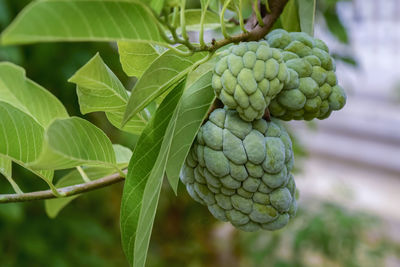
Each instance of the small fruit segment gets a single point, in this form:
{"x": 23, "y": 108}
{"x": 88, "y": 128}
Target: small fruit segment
{"x": 248, "y": 76}
{"x": 312, "y": 90}
{"x": 242, "y": 171}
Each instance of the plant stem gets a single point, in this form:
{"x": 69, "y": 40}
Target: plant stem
{"x": 203, "y": 15}
{"x": 255, "y": 34}
{"x": 175, "y": 17}
{"x": 257, "y": 12}
{"x": 222, "y": 19}
{"x": 183, "y": 20}
{"x": 14, "y": 185}
{"x": 64, "y": 191}
{"x": 83, "y": 174}
{"x": 240, "y": 15}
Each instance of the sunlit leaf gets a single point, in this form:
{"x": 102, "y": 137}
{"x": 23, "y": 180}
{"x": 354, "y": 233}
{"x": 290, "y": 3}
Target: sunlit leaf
{"x": 29, "y": 97}
{"x": 72, "y": 142}
{"x": 21, "y": 137}
{"x": 83, "y": 20}
{"x": 185, "y": 123}
{"x": 166, "y": 70}
{"x": 143, "y": 183}
{"x": 136, "y": 57}
{"x": 99, "y": 89}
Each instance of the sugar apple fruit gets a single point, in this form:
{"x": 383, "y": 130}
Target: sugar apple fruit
{"x": 241, "y": 171}
{"x": 312, "y": 90}
{"x": 248, "y": 76}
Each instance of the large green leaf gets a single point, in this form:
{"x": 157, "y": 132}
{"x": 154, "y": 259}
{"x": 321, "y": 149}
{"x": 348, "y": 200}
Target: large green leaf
{"x": 143, "y": 183}
{"x": 307, "y": 15}
{"x": 185, "y": 123}
{"x": 21, "y": 138}
{"x": 29, "y": 97}
{"x": 73, "y": 142}
{"x": 290, "y": 17}
{"x": 54, "y": 206}
{"x": 36, "y": 132}
{"x": 83, "y": 20}
{"x": 99, "y": 89}
{"x": 166, "y": 70}
{"x": 33, "y": 107}
{"x": 136, "y": 57}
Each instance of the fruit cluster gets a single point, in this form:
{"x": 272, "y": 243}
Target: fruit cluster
{"x": 240, "y": 163}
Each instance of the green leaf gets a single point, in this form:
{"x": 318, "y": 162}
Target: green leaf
{"x": 290, "y": 18}
{"x": 122, "y": 155}
{"x": 157, "y": 5}
{"x": 136, "y": 57}
{"x": 143, "y": 183}
{"x": 6, "y": 171}
{"x": 73, "y": 142}
{"x": 185, "y": 123}
{"x": 29, "y": 97}
{"x": 54, "y": 206}
{"x": 21, "y": 137}
{"x": 35, "y": 129}
{"x": 166, "y": 70}
{"x": 27, "y": 109}
{"x": 83, "y": 20}
{"x": 307, "y": 15}
{"x": 99, "y": 89}
{"x": 134, "y": 126}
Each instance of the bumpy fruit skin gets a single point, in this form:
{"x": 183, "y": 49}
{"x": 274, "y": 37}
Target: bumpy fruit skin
{"x": 312, "y": 90}
{"x": 248, "y": 76}
{"x": 241, "y": 171}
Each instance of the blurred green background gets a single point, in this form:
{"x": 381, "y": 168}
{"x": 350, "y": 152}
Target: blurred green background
{"x": 86, "y": 233}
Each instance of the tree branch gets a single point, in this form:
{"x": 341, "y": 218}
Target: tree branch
{"x": 257, "y": 33}
{"x": 64, "y": 191}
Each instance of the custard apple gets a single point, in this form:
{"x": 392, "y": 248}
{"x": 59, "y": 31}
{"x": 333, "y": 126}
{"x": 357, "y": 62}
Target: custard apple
{"x": 241, "y": 171}
{"x": 312, "y": 90}
{"x": 248, "y": 76}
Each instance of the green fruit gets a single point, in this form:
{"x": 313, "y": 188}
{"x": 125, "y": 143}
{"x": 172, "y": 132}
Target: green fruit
{"x": 242, "y": 171}
{"x": 311, "y": 91}
{"x": 248, "y": 76}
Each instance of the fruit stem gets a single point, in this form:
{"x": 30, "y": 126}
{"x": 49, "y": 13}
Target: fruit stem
{"x": 267, "y": 115}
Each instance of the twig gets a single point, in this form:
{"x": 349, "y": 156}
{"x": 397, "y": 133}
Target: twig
{"x": 276, "y": 7}
{"x": 64, "y": 191}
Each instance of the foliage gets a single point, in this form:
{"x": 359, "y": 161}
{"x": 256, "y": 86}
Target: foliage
{"x": 166, "y": 106}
